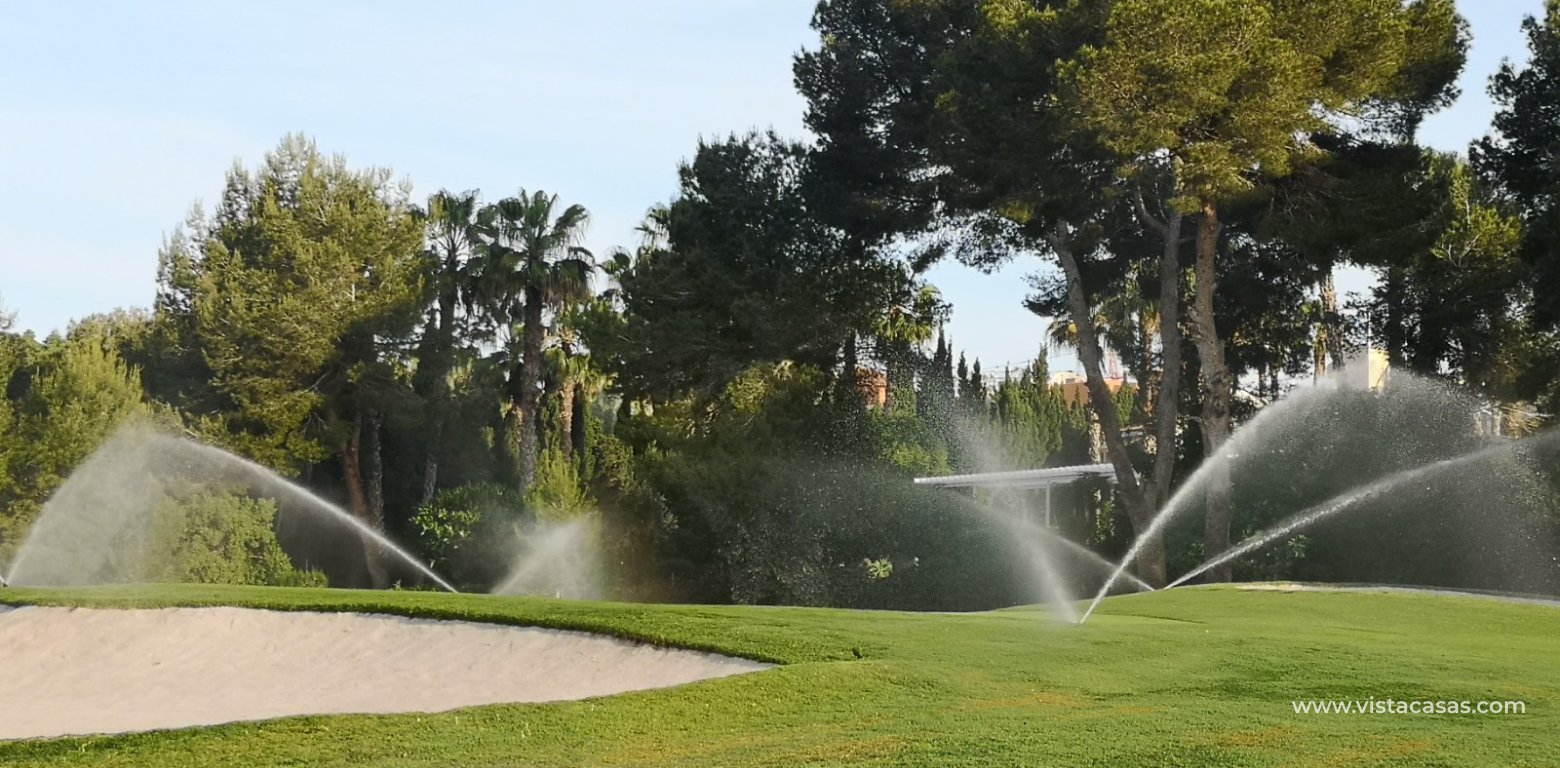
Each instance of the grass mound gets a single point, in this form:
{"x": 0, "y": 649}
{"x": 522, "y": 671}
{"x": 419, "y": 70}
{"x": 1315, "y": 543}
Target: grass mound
{"x": 1198, "y": 677}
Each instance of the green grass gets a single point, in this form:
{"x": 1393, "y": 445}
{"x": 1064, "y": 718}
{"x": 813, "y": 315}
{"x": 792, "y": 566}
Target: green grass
{"x": 1192, "y": 677}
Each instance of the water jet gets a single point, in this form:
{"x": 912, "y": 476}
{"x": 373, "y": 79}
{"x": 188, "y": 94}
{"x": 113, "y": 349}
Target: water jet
{"x": 1305, "y": 518}
{"x": 1012, "y": 511}
{"x": 1422, "y": 429}
{"x": 96, "y": 528}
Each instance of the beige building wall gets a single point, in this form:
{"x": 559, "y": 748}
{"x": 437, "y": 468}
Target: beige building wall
{"x": 1367, "y": 370}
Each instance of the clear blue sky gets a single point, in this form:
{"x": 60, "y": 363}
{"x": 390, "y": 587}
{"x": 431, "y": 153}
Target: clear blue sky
{"x": 116, "y": 117}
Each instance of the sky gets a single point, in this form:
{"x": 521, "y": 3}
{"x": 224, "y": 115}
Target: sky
{"x": 116, "y": 117}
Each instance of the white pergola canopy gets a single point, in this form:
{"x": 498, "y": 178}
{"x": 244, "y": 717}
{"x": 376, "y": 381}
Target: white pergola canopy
{"x": 1023, "y": 478}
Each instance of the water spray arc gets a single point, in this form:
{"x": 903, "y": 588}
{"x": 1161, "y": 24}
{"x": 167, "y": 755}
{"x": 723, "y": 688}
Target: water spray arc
{"x": 1030, "y": 528}
{"x": 1342, "y": 502}
{"x": 82, "y": 531}
{"x": 1010, "y": 510}
{"x": 556, "y": 559}
{"x": 265, "y": 476}
{"x": 1408, "y": 425}
{"x": 1195, "y": 484}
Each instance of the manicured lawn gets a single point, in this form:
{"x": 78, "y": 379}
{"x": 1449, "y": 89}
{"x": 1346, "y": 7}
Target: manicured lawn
{"x": 1191, "y": 677}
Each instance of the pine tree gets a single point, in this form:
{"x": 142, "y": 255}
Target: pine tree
{"x": 295, "y": 298}
{"x": 1523, "y": 159}
{"x": 1230, "y": 92}
{"x": 82, "y": 392}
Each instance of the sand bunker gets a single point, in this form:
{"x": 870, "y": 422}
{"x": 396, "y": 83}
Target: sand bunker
{"x": 69, "y": 671}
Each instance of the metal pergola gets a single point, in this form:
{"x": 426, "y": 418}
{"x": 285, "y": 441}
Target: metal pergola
{"x": 1023, "y": 480}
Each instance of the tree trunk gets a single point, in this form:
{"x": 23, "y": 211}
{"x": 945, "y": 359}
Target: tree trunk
{"x": 1217, "y": 389}
{"x": 1167, "y": 404}
{"x": 566, "y": 417}
{"x": 846, "y": 386}
{"x": 1167, "y": 407}
{"x": 1332, "y": 334}
{"x": 1151, "y": 557}
{"x": 529, "y": 394}
{"x": 361, "y": 469}
{"x": 438, "y": 359}
{"x": 438, "y": 405}
{"x": 374, "y": 494}
{"x": 580, "y": 436}
{"x": 425, "y": 384}
{"x": 1143, "y": 368}
{"x": 1167, "y": 397}
{"x": 545, "y": 440}
{"x": 430, "y": 479}
{"x": 352, "y": 472}
{"x": 1396, "y": 332}
{"x": 509, "y": 425}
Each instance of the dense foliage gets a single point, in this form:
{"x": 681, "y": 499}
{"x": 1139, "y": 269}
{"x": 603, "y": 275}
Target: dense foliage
{"x": 734, "y": 406}
{"x": 209, "y": 537}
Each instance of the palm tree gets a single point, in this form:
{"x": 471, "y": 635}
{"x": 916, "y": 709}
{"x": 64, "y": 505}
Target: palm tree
{"x": 450, "y": 222}
{"x": 529, "y": 261}
{"x": 655, "y": 230}
{"x": 905, "y": 325}
{"x": 572, "y": 377}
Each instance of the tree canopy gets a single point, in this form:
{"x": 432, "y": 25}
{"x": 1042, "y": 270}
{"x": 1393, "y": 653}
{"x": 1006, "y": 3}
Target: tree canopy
{"x": 732, "y": 407}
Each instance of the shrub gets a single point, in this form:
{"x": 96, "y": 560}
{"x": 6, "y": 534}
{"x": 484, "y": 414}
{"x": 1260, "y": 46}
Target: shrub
{"x": 468, "y": 532}
{"x": 217, "y": 537}
{"x": 555, "y": 492}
